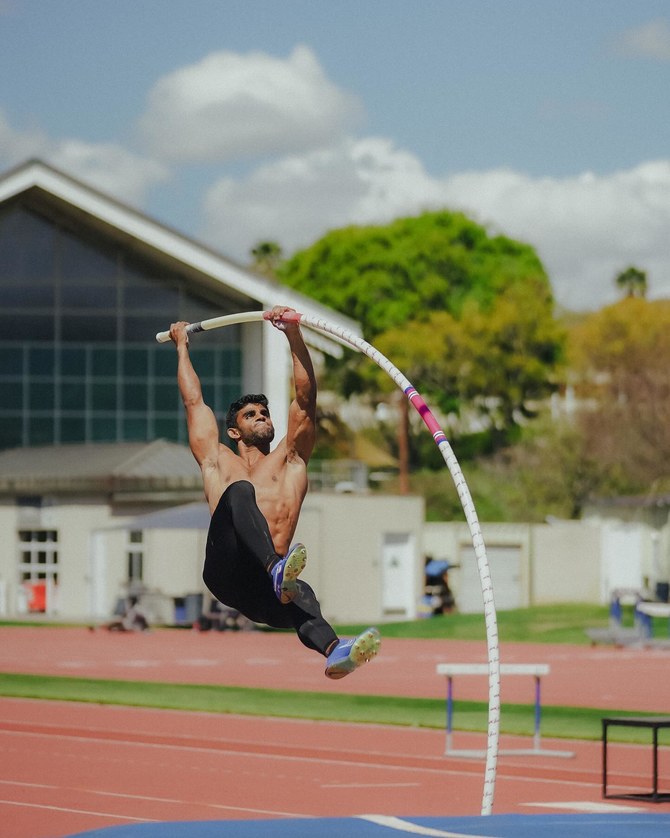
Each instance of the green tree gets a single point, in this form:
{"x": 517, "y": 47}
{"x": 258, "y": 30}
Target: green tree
{"x": 621, "y": 366}
{"x": 383, "y": 276}
{"x": 499, "y": 361}
{"x": 467, "y": 316}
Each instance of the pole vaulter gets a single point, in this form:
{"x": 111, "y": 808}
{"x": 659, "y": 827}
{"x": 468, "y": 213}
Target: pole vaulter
{"x": 440, "y": 439}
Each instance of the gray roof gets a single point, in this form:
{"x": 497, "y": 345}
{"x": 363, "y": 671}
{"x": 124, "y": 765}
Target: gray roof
{"x": 206, "y": 268}
{"x": 190, "y": 516}
{"x": 98, "y": 467}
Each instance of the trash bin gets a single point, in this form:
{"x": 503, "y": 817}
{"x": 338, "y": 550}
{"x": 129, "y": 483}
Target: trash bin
{"x": 37, "y": 597}
{"x": 192, "y": 608}
{"x": 179, "y": 610}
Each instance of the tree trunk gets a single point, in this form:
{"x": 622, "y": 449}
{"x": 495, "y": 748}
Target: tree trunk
{"x": 403, "y": 446}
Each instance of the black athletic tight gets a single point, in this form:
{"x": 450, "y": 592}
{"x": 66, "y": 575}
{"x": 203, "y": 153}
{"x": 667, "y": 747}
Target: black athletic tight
{"x": 238, "y": 557}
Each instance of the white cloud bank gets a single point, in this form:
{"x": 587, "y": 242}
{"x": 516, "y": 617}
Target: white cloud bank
{"x": 231, "y": 106}
{"x": 108, "y": 167}
{"x": 586, "y": 229}
{"x": 312, "y": 175}
{"x": 650, "y": 40}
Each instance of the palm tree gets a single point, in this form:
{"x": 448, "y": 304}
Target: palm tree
{"x": 633, "y": 281}
{"x": 266, "y": 257}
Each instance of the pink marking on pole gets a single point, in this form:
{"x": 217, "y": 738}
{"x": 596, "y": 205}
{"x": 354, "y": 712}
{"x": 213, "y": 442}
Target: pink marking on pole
{"x": 424, "y": 412}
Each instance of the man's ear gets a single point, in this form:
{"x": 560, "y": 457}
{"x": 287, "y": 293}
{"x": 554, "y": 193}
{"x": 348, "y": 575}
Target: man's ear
{"x": 233, "y": 433}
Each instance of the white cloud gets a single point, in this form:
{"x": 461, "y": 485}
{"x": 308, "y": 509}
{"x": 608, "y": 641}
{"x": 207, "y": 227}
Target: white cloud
{"x": 297, "y": 199}
{"x": 105, "y": 166}
{"x": 230, "y": 106}
{"x": 651, "y": 40}
{"x": 586, "y": 229}
{"x": 18, "y": 145}
{"x": 109, "y": 168}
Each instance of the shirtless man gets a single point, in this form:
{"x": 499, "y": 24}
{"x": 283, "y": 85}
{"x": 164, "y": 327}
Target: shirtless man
{"x": 255, "y": 497}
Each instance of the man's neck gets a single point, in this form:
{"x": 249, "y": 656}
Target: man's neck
{"x": 251, "y": 454}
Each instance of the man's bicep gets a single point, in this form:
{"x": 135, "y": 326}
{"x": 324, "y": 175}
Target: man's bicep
{"x": 301, "y": 431}
{"x": 203, "y": 432}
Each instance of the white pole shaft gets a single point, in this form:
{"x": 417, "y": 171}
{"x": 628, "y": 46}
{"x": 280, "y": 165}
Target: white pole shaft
{"x": 216, "y": 323}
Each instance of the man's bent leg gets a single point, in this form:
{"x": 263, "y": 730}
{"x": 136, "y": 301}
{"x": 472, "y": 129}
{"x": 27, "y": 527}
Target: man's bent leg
{"x": 311, "y": 627}
{"x": 251, "y": 528}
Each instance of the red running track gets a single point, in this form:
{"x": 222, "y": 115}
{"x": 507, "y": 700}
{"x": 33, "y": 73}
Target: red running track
{"x": 606, "y": 677}
{"x": 66, "y": 768}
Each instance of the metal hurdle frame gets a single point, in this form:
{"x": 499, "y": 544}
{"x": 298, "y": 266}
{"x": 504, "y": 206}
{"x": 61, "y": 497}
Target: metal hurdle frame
{"x": 536, "y": 670}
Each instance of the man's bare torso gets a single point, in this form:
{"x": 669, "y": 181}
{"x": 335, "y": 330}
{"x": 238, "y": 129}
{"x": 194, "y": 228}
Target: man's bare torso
{"x": 280, "y": 487}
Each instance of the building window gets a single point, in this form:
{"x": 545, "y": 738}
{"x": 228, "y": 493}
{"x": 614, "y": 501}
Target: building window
{"x": 38, "y": 567}
{"x": 77, "y": 358}
{"x": 135, "y": 554}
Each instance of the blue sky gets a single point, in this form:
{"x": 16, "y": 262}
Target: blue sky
{"x": 236, "y": 121}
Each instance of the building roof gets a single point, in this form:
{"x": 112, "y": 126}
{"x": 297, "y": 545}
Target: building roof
{"x": 106, "y": 468}
{"x": 189, "y": 516}
{"x": 205, "y": 267}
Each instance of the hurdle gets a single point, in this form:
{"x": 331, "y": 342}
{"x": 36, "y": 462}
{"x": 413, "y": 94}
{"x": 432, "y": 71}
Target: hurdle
{"x": 536, "y": 670}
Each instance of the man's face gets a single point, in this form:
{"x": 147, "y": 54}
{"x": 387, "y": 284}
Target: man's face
{"x": 253, "y": 425}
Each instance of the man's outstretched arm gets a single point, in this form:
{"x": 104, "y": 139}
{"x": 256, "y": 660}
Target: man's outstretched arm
{"x": 203, "y": 431}
{"x": 301, "y": 431}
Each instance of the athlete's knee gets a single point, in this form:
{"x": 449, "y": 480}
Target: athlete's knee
{"x": 241, "y": 490}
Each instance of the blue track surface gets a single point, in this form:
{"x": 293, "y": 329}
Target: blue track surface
{"x": 495, "y": 826}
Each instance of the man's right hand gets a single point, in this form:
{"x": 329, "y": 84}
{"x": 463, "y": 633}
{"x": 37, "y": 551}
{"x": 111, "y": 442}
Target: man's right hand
{"x": 178, "y": 333}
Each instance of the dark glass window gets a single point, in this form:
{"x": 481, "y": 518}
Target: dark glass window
{"x": 103, "y": 396}
{"x": 41, "y": 430}
{"x": 11, "y": 360}
{"x": 165, "y": 362}
{"x": 135, "y": 362}
{"x": 103, "y": 429}
{"x": 104, "y": 361}
{"x": 41, "y": 360}
{"x": 28, "y": 296}
{"x": 72, "y": 429}
{"x": 78, "y": 358}
{"x": 28, "y": 327}
{"x": 73, "y": 361}
{"x": 89, "y": 296}
{"x": 83, "y": 260}
{"x": 166, "y": 428}
{"x": 12, "y": 396}
{"x": 135, "y": 396}
{"x": 135, "y": 427}
{"x": 73, "y": 395}
{"x": 88, "y": 328}
{"x": 41, "y": 395}
{"x": 11, "y": 431}
{"x": 144, "y": 327}
{"x": 166, "y": 397}
{"x": 27, "y": 246}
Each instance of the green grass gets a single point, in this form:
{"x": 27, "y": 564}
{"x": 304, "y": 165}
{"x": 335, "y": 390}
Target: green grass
{"x": 563, "y": 623}
{"x": 557, "y": 722}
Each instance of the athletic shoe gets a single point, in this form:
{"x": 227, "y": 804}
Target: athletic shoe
{"x": 350, "y": 654}
{"x": 286, "y": 571}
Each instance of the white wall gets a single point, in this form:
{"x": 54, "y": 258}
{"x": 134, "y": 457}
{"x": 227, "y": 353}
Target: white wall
{"x": 345, "y": 536}
{"x": 562, "y": 561}
{"x": 349, "y": 537}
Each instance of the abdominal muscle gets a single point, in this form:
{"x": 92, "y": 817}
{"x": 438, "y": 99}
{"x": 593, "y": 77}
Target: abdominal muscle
{"x": 280, "y": 490}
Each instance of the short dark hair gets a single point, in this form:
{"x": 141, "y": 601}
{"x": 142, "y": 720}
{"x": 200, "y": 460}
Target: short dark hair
{"x": 243, "y": 401}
